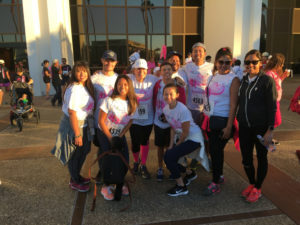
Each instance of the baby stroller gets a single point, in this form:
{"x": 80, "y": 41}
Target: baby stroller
{"x": 22, "y": 108}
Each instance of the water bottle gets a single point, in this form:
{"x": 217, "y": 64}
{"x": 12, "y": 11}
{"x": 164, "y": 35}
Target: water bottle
{"x": 270, "y": 148}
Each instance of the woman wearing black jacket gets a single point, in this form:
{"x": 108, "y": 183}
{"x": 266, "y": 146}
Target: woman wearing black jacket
{"x": 256, "y": 115}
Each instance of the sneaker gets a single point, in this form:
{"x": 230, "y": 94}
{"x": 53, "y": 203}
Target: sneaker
{"x": 144, "y": 172}
{"x": 254, "y": 195}
{"x": 211, "y": 189}
{"x": 178, "y": 190}
{"x": 107, "y": 192}
{"x": 160, "y": 174}
{"x": 221, "y": 179}
{"x": 98, "y": 179}
{"x": 136, "y": 168}
{"x": 125, "y": 190}
{"x": 275, "y": 142}
{"x": 247, "y": 191}
{"x": 190, "y": 177}
{"x": 79, "y": 187}
{"x": 85, "y": 180}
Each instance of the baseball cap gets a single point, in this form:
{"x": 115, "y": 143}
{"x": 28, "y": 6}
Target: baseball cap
{"x": 199, "y": 44}
{"x": 171, "y": 53}
{"x": 2, "y": 61}
{"x": 265, "y": 54}
{"x": 109, "y": 54}
{"x": 140, "y": 63}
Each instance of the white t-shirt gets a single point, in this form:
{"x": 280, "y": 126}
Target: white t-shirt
{"x": 188, "y": 60}
{"x": 104, "y": 86}
{"x": 117, "y": 114}
{"x": 77, "y": 98}
{"x": 219, "y": 94}
{"x": 237, "y": 70}
{"x": 179, "y": 115}
{"x": 197, "y": 77}
{"x": 144, "y": 93}
{"x": 160, "y": 105}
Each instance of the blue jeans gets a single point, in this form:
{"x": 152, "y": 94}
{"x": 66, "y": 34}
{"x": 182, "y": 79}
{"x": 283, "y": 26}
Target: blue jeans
{"x": 173, "y": 155}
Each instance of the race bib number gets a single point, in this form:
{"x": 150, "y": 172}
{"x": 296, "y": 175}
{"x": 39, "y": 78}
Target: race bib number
{"x": 143, "y": 112}
{"x": 116, "y": 129}
{"x": 65, "y": 72}
{"x": 197, "y": 99}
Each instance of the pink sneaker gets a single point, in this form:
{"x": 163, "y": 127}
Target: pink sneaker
{"x": 125, "y": 190}
{"x": 247, "y": 191}
{"x": 107, "y": 192}
{"x": 79, "y": 187}
{"x": 254, "y": 195}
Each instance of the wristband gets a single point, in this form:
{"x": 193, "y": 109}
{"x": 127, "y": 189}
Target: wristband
{"x": 78, "y": 136}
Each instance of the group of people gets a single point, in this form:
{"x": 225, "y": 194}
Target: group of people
{"x": 193, "y": 107}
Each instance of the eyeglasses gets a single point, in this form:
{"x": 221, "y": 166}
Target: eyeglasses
{"x": 254, "y": 62}
{"x": 221, "y": 62}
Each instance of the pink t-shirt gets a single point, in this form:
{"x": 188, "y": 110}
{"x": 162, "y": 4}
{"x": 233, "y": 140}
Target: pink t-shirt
{"x": 278, "y": 82}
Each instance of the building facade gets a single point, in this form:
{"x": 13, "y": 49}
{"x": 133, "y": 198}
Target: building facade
{"x": 34, "y": 30}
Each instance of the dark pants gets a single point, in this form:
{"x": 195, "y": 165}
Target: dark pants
{"x": 78, "y": 157}
{"x": 173, "y": 155}
{"x": 139, "y": 136}
{"x": 105, "y": 145}
{"x": 57, "y": 95}
{"x": 216, "y": 150}
{"x": 247, "y": 141}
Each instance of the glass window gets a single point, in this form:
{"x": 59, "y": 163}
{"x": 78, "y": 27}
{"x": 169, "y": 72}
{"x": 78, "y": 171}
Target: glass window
{"x": 134, "y": 2}
{"x": 192, "y": 20}
{"x": 136, "y": 21}
{"x": 156, "y": 20}
{"x": 9, "y": 38}
{"x": 115, "y": 2}
{"x": 137, "y": 42}
{"x": 175, "y": 43}
{"x": 96, "y": 20}
{"x": 194, "y": 3}
{"x": 21, "y": 16}
{"x": 175, "y": 20}
{"x": 155, "y": 42}
{"x": 116, "y": 20}
{"x": 118, "y": 43}
{"x": 174, "y": 3}
{"x": 92, "y": 2}
{"x": 6, "y": 2}
{"x": 8, "y": 21}
{"x": 156, "y": 3}
{"x": 97, "y": 48}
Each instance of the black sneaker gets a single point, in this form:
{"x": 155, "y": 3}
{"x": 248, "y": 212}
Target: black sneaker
{"x": 189, "y": 177}
{"x": 136, "y": 168}
{"x": 178, "y": 190}
{"x": 144, "y": 172}
{"x": 98, "y": 179}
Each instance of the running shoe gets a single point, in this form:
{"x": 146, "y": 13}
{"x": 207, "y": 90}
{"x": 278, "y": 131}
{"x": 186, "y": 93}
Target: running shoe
{"x": 160, "y": 174}
{"x": 247, "y": 191}
{"x": 254, "y": 195}
{"x": 211, "y": 189}
{"x": 144, "y": 172}
{"x": 221, "y": 179}
{"x": 178, "y": 190}
{"x": 79, "y": 187}
{"x": 107, "y": 192}
{"x": 125, "y": 190}
{"x": 190, "y": 177}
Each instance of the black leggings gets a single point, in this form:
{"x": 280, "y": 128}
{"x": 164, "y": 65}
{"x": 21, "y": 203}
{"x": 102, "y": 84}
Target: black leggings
{"x": 247, "y": 141}
{"x": 216, "y": 151}
{"x": 57, "y": 96}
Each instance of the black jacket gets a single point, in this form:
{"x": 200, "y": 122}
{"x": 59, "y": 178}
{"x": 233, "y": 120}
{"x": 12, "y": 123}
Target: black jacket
{"x": 257, "y": 101}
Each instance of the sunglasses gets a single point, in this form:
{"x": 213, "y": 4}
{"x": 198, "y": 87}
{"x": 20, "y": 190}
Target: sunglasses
{"x": 221, "y": 62}
{"x": 254, "y": 62}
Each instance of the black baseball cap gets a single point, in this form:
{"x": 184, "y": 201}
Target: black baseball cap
{"x": 109, "y": 54}
{"x": 171, "y": 53}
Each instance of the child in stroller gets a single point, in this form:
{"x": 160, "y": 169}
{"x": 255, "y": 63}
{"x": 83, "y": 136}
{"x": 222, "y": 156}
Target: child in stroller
{"x": 21, "y": 104}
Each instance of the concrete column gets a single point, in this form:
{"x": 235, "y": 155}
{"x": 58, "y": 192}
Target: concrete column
{"x": 48, "y": 35}
{"x": 232, "y": 23}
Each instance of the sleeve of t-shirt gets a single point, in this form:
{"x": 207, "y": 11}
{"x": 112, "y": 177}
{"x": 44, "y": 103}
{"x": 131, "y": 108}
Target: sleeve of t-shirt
{"x": 74, "y": 100}
{"x": 184, "y": 115}
{"x": 105, "y": 105}
{"x": 183, "y": 75}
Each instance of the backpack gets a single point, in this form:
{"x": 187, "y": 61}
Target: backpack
{"x": 295, "y": 101}
{"x": 114, "y": 168}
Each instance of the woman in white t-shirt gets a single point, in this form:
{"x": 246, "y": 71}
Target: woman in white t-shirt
{"x": 142, "y": 124}
{"x": 220, "y": 106}
{"x": 115, "y": 119}
{"x": 185, "y": 133}
{"x": 78, "y": 106}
